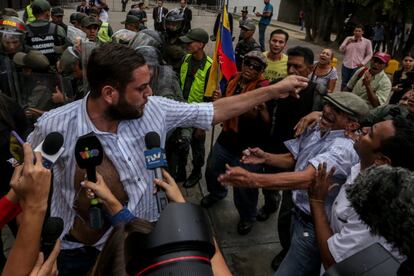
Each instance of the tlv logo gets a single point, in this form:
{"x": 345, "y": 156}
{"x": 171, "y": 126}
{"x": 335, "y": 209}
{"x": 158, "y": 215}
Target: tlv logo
{"x": 155, "y": 158}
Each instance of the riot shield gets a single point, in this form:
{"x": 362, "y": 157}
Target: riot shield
{"x": 147, "y": 37}
{"x": 74, "y": 34}
{"x": 40, "y": 92}
{"x": 8, "y": 83}
{"x": 123, "y": 36}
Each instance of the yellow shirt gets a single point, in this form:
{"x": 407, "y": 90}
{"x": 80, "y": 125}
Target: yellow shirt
{"x": 276, "y": 69}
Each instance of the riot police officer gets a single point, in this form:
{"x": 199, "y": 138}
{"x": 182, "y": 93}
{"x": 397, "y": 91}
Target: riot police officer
{"x": 45, "y": 36}
{"x": 174, "y": 49}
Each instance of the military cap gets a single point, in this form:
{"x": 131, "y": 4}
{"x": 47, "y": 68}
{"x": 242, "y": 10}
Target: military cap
{"x": 77, "y": 16}
{"x": 90, "y": 21}
{"x": 131, "y": 19}
{"x": 39, "y": 6}
{"x": 248, "y": 25}
{"x": 196, "y": 34}
{"x": 57, "y": 11}
{"x": 33, "y": 59}
{"x": 348, "y": 103}
{"x": 257, "y": 55}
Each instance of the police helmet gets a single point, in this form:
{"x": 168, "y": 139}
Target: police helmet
{"x": 174, "y": 22}
{"x": 147, "y": 37}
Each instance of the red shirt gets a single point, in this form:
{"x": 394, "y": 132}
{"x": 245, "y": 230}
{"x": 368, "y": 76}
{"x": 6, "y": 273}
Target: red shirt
{"x": 8, "y": 211}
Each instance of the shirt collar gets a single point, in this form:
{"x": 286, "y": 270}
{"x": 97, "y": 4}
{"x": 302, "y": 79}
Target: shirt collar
{"x": 85, "y": 125}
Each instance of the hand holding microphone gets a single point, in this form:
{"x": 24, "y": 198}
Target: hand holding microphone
{"x": 155, "y": 159}
{"x": 89, "y": 155}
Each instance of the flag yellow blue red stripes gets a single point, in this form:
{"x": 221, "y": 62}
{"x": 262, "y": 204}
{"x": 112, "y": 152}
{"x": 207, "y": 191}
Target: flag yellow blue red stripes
{"x": 224, "y": 61}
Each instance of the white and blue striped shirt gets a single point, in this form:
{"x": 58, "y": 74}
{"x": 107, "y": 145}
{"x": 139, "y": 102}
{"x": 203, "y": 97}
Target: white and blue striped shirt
{"x": 124, "y": 148}
{"x": 313, "y": 148}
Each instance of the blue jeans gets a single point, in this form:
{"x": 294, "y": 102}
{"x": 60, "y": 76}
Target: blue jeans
{"x": 303, "y": 257}
{"x": 245, "y": 199}
{"x": 347, "y": 74}
{"x": 262, "y": 32}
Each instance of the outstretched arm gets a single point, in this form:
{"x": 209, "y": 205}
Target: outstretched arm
{"x": 229, "y": 107}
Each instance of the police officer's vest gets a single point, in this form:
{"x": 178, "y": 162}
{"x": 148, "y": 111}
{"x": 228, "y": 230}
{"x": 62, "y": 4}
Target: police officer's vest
{"x": 103, "y": 33}
{"x": 44, "y": 38}
{"x": 197, "y": 87}
{"x": 30, "y": 17}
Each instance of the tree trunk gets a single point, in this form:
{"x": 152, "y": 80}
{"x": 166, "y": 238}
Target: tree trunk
{"x": 308, "y": 20}
{"x": 339, "y": 21}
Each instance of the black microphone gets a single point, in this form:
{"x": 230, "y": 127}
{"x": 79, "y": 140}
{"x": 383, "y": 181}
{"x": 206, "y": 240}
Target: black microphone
{"x": 51, "y": 148}
{"x": 155, "y": 159}
{"x": 52, "y": 229}
{"x": 89, "y": 155}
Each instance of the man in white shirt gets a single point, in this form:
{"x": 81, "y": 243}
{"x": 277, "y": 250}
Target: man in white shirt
{"x": 344, "y": 234}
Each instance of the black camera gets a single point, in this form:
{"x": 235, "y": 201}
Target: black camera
{"x": 180, "y": 244}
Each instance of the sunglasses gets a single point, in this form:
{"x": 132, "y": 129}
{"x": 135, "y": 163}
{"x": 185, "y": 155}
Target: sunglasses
{"x": 255, "y": 66}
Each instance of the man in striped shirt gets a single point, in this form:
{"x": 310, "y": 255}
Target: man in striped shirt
{"x": 114, "y": 111}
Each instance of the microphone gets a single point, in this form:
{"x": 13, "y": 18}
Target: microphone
{"x": 51, "y": 148}
{"x": 89, "y": 155}
{"x": 52, "y": 229}
{"x": 155, "y": 159}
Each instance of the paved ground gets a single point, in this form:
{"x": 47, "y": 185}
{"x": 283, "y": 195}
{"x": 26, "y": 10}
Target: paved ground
{"x": 248, "y": 255}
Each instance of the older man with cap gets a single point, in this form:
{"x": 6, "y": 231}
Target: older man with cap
{"x": 194, "y": 72}
{"x": 372, "y": 84}
{"x": 326, "y": 142}
{"x": 246, "y": 43}
{"x": 57, "y": 17}
{"x": 247, "y": 130}
{"x": 132, "y": 23}
{"x": 45, "y": 36}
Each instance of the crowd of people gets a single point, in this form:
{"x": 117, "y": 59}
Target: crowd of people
{"x": 286, "y": 130}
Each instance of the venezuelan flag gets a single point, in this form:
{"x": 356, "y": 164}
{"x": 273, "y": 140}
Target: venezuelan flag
{"x": 224, "y": 61}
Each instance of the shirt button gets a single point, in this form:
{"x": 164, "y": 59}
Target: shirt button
{"x": 139, "y": 179}
{"x": 129, "y": 158}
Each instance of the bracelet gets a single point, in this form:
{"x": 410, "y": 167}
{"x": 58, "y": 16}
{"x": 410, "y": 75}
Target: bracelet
{"x": 316, "y": 200}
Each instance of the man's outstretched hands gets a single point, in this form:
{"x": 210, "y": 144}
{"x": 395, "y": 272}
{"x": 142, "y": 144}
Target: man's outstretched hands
{"x": 253, "y": 156}
{"x": 291, "y": 86}
{"x": 237, "y": 177}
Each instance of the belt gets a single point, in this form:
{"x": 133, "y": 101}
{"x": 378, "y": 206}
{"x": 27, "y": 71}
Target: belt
{"x": 302, "y": 215}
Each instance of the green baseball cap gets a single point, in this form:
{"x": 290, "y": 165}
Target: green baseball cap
{"x": 131, "y": 19}
{"x": 196, "y": 34}
{"x": 39, "y": 6}
{"x": 248, "y": 25}
{"x": 348, "y": 103}
{"x": 33, "y": 59}
{"x": 57, "y": 11}
{"x": 90, "y": 21}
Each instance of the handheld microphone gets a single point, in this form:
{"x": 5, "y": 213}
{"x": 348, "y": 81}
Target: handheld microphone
{"x": 51, "y": 148}
{"x": 52, "y": 229}
{"x": 89, "y": 155}
{"x": 155, "y": 159}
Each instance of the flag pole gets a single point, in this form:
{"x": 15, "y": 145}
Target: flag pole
{"x": 218, "y": 71}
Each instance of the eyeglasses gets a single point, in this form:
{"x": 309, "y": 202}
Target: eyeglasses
{"x": 255, "y": 66}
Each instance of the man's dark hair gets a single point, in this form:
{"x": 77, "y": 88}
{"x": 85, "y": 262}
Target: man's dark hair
{"x": 359, "y": 26}
{"x": 304, "y": 52}
{"x": 112, "y": 64}
{"x": 280, "y": 31}
{"x": 400, "y": 147}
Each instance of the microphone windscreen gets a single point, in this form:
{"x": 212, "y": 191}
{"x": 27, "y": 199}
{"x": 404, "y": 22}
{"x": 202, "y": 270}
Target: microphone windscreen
{"x": 52, "y": 143}
{"x": 152, "y": 140}
{"x": 52, "y": 229}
